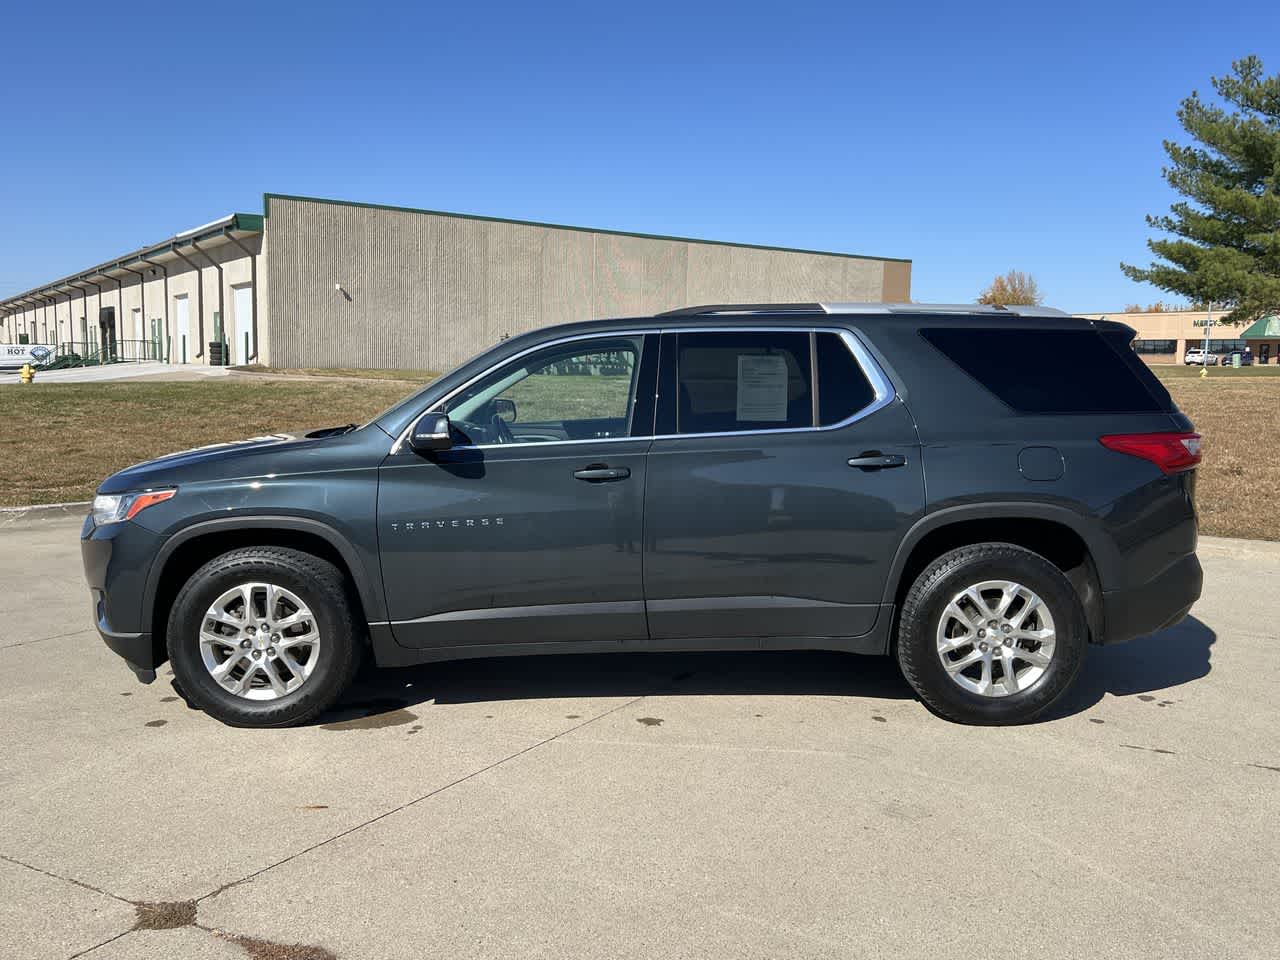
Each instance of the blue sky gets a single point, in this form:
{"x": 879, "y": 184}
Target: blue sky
{"x": 971, "y": 138}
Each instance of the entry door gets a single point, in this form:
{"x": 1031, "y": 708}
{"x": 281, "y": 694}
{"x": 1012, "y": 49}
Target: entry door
{"x": 137, "y": 349}
{"x": 107, "y": 333}
{"x": 182, "y": 309}
{"x": 242, "y": 324}
{"x": 756, "y": 523}
{"x": 529, "y": 529}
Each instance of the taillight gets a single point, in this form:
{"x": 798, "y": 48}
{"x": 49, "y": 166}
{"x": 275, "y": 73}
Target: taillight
{"x": 1171, "y": 452}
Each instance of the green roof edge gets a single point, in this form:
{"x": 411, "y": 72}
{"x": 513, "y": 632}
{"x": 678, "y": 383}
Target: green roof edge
{"x": 243, "y": 222}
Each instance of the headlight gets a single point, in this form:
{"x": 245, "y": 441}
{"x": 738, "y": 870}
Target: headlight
{"x": 114, "y": 507}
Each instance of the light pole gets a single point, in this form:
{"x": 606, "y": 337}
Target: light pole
{"x": 1208, "y": 324}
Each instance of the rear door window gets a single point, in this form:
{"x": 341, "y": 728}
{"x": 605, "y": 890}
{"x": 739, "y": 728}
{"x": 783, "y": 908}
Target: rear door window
{"x": 730, "y": 381}
{"x": 1053, "y": 371}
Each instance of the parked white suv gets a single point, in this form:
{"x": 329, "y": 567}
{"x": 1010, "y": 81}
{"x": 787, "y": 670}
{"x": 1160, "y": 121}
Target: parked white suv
{"x": 1197, "y": 356}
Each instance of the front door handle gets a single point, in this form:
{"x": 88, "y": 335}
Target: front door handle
{"x": 599, "y": 473}
{"x": 878, "y": 461}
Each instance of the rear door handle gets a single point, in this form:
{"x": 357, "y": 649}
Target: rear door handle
{"x": 599, "y": 473}
{"x": 878, "y": 461}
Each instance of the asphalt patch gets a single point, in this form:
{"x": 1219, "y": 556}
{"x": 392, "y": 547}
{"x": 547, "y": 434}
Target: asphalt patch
{"x": 164, "y": 914}
{"x": 268, "y": 950}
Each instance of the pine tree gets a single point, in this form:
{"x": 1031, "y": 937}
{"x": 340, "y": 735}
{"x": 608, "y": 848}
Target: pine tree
{"x": 1226, "y": 233}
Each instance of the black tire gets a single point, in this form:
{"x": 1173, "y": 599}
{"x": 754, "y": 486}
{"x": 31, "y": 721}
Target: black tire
{"x": 923, "y": 610}
{"x": 319, "y": 584}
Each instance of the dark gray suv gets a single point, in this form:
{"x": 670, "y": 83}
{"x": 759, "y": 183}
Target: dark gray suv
{"x": 977, "y": 491}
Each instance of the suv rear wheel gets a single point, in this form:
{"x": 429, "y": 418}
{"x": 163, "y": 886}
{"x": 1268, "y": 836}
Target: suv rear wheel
{"x": 991, "y": 634}
{"x": 263, "y": 637}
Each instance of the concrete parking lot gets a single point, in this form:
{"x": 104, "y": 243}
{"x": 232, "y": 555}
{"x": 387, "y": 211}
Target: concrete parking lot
{"x": 702, "y": 805}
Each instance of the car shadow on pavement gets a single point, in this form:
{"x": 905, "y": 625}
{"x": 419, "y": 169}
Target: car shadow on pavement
{"x": 1146, "y": 665}
{"x": 1140, "y": 667}
{"x": 786, "y": 673}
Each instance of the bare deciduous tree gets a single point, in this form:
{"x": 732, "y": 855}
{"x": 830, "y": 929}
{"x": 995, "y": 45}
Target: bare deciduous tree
{"x": 1013, "y": 288}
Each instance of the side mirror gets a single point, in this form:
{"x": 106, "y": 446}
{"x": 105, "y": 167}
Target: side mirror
{"x": 431, "y": 432}
{"x": 505, "y": 410}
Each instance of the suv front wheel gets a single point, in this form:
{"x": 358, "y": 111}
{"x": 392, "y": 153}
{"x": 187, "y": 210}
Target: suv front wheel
{"x": 264, "y": 637}
{"x": 991, "y": 634}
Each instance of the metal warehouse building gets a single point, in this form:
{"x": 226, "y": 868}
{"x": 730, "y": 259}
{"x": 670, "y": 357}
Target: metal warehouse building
{"x": 324, "y": 283}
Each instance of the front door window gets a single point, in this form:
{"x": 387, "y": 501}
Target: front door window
{"x": 576, "y": 391}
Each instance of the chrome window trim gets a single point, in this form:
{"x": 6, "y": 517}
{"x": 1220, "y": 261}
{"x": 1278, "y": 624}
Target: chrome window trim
{"x": 882, "y": 387}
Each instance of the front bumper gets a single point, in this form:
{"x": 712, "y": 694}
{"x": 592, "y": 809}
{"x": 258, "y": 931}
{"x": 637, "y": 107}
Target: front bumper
{"x": 116, "y": 559}
{"x": 135, "y": 648}
{"x": 1160, "y": 602}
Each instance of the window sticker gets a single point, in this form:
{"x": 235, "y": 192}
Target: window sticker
{"x": 762, "y": 388}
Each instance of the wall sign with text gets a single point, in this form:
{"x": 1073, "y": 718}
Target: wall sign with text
{"x": 16, "y": 354}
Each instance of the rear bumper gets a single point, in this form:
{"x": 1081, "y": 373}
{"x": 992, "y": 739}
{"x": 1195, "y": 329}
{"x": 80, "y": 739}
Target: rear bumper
{"x": 1160, "y": 602}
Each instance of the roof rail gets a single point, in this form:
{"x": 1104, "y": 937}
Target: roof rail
{"x": 710, "y": 309}
{"x": 724, "y": 309}
{"x": 984, "y": 309}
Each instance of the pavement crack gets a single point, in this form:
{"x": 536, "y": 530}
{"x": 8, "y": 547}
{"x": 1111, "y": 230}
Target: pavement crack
{"x": 416, "y": 800}
{"x": 55, "y": 876}
{"x": 98, "y": 946}
{"x": 1202, "y": 757}
{"x": 56, "y": 636}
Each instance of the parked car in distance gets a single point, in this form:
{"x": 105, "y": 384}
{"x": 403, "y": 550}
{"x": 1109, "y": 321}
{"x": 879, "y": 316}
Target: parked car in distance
{"x": 1198, "y": 357}
{"x": 870, "y": 478}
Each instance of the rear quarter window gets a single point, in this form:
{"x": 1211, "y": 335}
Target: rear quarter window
{"x": 1053, "y": 371}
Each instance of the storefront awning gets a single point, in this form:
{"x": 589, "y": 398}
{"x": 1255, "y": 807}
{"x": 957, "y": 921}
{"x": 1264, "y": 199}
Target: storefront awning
{"x": 1268, "y": 328}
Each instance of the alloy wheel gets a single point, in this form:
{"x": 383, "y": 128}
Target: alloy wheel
{"x": 996, "y": 638}
{"x": 259, "y": 641}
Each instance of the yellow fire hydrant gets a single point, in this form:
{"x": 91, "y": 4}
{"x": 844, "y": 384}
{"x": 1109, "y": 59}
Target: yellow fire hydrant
{"x": 27, "y": 373}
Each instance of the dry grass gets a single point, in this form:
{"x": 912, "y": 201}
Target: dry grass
{"x": 344, "y": 373}
{"x": 1176, "y": 371}
{"x": 1238, "y": 484}
{"x": 58, "y": 441}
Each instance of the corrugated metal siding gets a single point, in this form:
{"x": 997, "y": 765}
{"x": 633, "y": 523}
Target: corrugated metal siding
{"x": 430, "y": 290}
